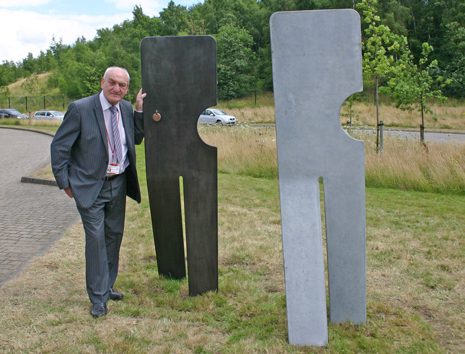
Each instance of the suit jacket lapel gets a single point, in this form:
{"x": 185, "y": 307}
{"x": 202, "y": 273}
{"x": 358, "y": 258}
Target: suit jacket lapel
{"x": 101, "y": 121}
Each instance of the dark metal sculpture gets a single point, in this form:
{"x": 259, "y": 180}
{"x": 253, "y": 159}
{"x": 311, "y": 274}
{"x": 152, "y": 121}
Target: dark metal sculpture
{"x": 179, "y": 77}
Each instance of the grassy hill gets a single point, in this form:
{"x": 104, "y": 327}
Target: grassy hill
{"x": 19, "y": 88}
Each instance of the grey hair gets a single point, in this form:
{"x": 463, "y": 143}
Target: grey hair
{"x": 116, "y": 67}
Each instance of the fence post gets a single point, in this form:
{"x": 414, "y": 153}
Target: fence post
{"x": 422, "y": 133}
{"x": 381, "y": 136}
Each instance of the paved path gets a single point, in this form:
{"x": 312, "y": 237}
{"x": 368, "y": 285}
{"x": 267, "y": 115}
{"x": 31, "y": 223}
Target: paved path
{"x": 442, "y": 137}
{"x": 411, "y": 134}
{"x": 32, "y": 216}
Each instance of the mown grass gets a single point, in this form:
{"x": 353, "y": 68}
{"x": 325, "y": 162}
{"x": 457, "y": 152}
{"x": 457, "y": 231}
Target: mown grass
{"x": 415, "y": 284}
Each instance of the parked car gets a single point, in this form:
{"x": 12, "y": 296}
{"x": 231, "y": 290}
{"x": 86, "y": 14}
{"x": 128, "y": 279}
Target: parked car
{"x": 48, "y": 115}
{"x": 12, "y": 113}
{"x": 216, "y": 116}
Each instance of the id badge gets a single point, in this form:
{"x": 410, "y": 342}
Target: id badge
{"x": 113, "y": 169}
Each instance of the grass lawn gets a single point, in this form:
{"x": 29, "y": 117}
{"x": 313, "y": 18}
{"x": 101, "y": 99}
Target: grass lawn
{"x": 415, "y": 284}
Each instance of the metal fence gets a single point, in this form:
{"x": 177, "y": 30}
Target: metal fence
{"x": 26, "y": 104}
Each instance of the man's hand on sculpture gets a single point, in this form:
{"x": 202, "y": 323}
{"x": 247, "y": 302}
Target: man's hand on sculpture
{"x": 140, "y": 101}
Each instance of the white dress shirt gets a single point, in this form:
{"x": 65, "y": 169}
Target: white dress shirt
{"x": 110, "y": 148}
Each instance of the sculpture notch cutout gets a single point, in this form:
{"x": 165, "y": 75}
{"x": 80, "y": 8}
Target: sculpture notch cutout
{"x": 317, "y": 64}
{"x": 179, "y": 77}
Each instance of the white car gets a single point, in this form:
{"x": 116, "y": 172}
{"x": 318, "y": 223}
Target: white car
{"x": 216, "y": 116}
{"x": 48, "y": 115}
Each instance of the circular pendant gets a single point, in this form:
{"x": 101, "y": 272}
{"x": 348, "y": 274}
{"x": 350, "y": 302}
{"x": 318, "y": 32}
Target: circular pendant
{"x": 156, "y": 116}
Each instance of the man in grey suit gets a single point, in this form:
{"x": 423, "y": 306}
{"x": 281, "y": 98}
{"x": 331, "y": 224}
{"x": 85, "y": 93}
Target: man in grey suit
{"x": 94, "y": 160}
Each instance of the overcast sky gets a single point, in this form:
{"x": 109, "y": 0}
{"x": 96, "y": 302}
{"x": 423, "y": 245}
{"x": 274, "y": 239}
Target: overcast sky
{"x": 29, "y": 25}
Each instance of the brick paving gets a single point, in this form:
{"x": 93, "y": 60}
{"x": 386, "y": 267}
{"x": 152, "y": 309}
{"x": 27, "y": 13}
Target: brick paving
{"x": 32, "y": 216}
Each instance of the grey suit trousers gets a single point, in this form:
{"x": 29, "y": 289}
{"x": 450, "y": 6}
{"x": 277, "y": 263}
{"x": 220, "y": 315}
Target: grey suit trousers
{"x": 104, "y": 225}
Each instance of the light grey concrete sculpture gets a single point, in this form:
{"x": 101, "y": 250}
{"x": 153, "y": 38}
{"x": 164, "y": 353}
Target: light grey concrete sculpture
{"x": 317, "y": 64}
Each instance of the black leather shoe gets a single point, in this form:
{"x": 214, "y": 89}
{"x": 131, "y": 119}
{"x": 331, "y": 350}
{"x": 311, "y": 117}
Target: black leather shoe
{"x": 99, "y": 310}
{"x": 114, "y": 295}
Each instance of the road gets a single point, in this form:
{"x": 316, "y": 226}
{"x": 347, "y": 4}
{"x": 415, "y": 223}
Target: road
{"x": 432, "y": 135}
{"x": 444, "y": 137}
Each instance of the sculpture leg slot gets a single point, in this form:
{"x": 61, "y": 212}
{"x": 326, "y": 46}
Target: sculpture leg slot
{"x": 345, "y": 229}
{"x": 165, "y": 206}
{"x": 304, "y": 262}
{"x": 201, "y": 214}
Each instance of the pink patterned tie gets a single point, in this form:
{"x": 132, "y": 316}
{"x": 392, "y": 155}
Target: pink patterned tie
{"x": 116, "y": 138}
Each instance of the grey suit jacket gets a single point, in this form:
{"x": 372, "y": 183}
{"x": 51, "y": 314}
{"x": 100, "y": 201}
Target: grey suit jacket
{"x": 79, "y": 150}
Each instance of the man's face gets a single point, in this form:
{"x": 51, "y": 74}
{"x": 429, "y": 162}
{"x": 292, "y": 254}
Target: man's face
{"x": 115, "y": 85}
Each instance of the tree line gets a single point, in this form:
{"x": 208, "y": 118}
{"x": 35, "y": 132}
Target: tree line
{"x": 411, "y": 37}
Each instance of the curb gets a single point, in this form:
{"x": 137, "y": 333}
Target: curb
{"x": 27, "y": 129}
{"x": 34, "y": 180}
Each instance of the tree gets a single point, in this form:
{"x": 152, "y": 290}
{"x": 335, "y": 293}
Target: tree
{"x": 235, "y": 62}
{"x": 174, "y": 19}
{"x": 58, "y": 48}
{"x": 29, "y": 64}
{"x": 412, "y": 85}
{"x": 394, "y": 15}
{"x": 377, "y": 61}
{"x": 4, "y": 93}
{"x": 145, "y": 25}
{"x": 30, "y": 84}
{"x": 454, "y": 70}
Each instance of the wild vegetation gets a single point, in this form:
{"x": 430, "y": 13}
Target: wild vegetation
{"x": 404, "y": 164}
